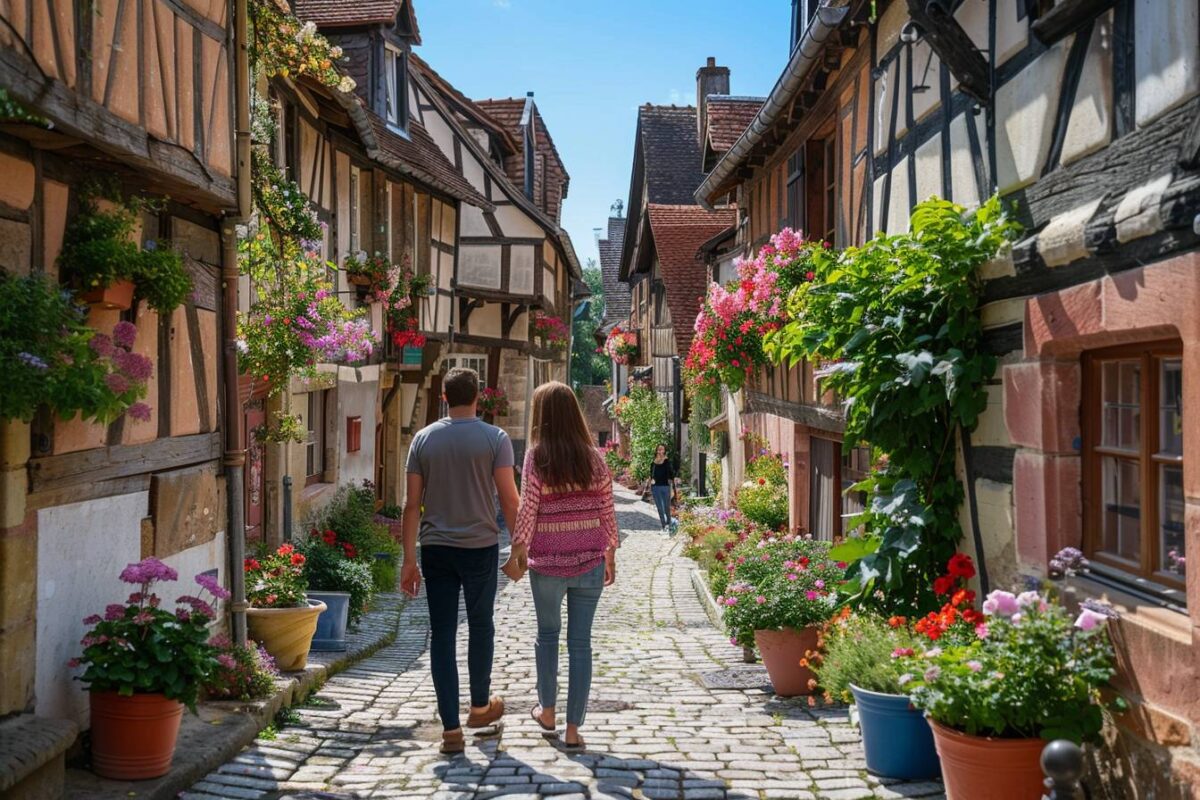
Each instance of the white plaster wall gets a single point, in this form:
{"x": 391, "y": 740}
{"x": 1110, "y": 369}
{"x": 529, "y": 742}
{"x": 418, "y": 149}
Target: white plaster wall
{"x": 1025, "y": 109}
{"x": 485, "y": 321}
{"x": 515, "y": 223}
{"x": 473, "y": 223}
{"x": 962, "y": 164}
{"x": 1168, "y": 54}
{"x": 357, "y": 400}
{"x": 472, "y": 170}
{"x": 521, "y": 270}
{"x": 898, "y": 210}
{"x": 446, "y": 234}
{"x": 929, "y": 169}
{"x": 479, "y": 265}
{"x": 886, "y": 91}
{"x": 1090, "y": 125}
{"x": 82, "y": 548}
{"x": 927, "y": 71}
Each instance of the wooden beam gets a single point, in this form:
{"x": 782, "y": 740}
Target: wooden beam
{"x": 121, "y": 461}
{"x": 953, "y": 46}
{"x": 1066, "y": 17}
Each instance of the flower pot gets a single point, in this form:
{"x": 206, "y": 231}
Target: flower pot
{"x": 330, "y": 635}
{"x": 117, "y": 297}
{"x": 896, "y": 737}
{"x": 782, "y": 652}
{"x": 286, "y": 633}
{"x": 133, "y": 738}
{"x": 358, "y": 279}
{"x": 983, "y": 768}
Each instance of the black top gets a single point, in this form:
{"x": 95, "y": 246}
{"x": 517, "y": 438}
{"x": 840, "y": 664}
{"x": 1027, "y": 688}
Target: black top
{"x": 663, "y": 473}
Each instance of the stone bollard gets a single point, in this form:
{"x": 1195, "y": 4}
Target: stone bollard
{"x": 1062, "y": 761}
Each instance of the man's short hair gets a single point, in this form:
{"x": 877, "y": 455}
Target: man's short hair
{"x": 461, "y": 386}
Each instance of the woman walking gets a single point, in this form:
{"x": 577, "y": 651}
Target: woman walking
{"x": 566, "y": 534}
{"x": 662, "y": 473}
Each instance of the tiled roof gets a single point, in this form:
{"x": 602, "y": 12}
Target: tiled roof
{"x": 678, "y": 231}
{"x": 728, "y": 116}
{"x": 420, "y": 157}
{"x": 617, "y": 298}
{"x": 671, "y": 153}
{"x": 348, "y": 13}
{"x": 508, "y": 112}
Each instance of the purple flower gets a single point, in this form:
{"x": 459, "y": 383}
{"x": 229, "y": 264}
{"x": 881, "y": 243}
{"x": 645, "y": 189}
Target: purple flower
{"x": 820, "y": 584}
{"x": 101, "y": 345}
{"x": 114, "y": 611}
{"x": 1000, "y": 603}
{"x": 932, "y": 674}
{"x": 731, "y": 601}
{"x": 1031, "y": 600}
{"x": 226, "y": 661}
{"x": 140, "y": 412}
{"x": 811, "y": 595}
{"x": 32, "y": 360}
{"x": 124, "y": 333}
{"x": 210, "y": 583}
{"x": 148, "y": 571}
{"x": 198, "y": 605}
{"x": 974, "y": 665}
{"x": 1088, "y": 619}
{"x": 93, "y": 619}
{"x": 116, "y": 382}
{"x": 183, "y": 615}
{"x": 135, "y": 365}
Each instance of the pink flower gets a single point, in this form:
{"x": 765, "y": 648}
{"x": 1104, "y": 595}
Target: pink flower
{"x": 1088, "y": 619}
{"x": 731, "y": 601}
{"x": 210, "y": 583}
{"x": 981, "y": 630}
{"x": 1000, "y": 603}
{"x": 760, "y": 599}
{"x": 114, "y": 611}
{"x": 101, "y": 345}
{"x": 974, "y": 666}
{"x": 124, "y": 333}
{"x": 1031, "y": 599}
{"x": 820, "y": 584}
{"x": 93, "y": 619}
{"x": 116, "y": 382}
{"x": 793, "y": 576}
{"x": 140, "y": 412}
{"x": 226, "y": 661}
{"x": 932, "y": 674}
{"x": 902, "y": 652}
{"x": 147, "y": 571}
{"x": 811, "y": 595}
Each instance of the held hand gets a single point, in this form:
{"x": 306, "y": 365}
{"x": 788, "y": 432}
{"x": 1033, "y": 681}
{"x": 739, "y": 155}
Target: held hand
{"x": 610, "y": 568}
{"x": 514, "y": 568}
{"x": 410, "y": 579}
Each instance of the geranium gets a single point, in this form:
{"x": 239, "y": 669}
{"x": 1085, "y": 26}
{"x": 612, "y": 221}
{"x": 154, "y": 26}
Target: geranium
{"x": 277, "y": 579}
{"x": 621, "y": 345}
{"x": 125, "y": 649}
{"x": 549, "y": 331}
{"x": 493, "y": 401}
{"x": 957, "y": 619}
{"x": 734, "y": 318}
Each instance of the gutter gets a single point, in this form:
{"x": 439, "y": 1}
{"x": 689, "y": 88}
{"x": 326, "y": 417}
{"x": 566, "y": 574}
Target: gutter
{"x": 827, "y": 20}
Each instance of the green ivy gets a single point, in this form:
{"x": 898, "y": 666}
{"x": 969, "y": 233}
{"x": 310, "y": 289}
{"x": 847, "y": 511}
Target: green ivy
{"x": 643, "y": 412}
{"x": 895, "y": 327}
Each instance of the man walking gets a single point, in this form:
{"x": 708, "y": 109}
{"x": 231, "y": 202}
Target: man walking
{"x": 457, "y": 469}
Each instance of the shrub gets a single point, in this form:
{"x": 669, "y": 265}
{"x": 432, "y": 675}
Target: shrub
{"x": 333, "y": 566}
{"x": 767, "y": 467}
{"x": 351, "y": 515}
{"x": 714, "y": 476}
{"x": 866, "y": 650}
{"x": 764, "y": 503}
{"x": 643, "y": 412}
{"x": 779, "y": 582}
{"x": 242, "y": 673}
{"x": 615, "y": 461}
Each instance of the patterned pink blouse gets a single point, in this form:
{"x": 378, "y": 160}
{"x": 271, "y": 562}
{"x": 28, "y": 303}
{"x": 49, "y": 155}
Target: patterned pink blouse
{"x": 567, "y": 531}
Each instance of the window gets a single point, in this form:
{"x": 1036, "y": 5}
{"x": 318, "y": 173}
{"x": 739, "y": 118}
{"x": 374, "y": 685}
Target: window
{"x": 802, "y": 14}
{"x": 395, "y": 66}
{"x": 1133, "y": 461}
{"x": 354, "y": 238}
{"x": 819, "y": 210}
{"x": 314, "y": 470}
{"x": 823, "y": 460}
{"x": 479, "y": 363}
{"x": 795, "y": 191}
{"x": 856, "y": 465}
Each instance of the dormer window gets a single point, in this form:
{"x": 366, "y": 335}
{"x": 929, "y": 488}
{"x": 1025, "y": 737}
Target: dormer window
{"x": 802, "y": 13}
{"x": 395, "y": 65}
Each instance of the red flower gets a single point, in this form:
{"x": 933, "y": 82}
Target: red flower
{"x": 330, "y": 537}
{"x": 349, "y": 550}
{"x": 962, "y": 596}
{"x": 808, "y": 276}
{"x": 961, "y": 566}
{"x": 252, "y": 564}
{"x": 897, "y": 621}
{"x": 762, "y": 481}
{"x": 285, "y": 549}
{"x": 297, "y": 559}
{"x": 944, "y": 584}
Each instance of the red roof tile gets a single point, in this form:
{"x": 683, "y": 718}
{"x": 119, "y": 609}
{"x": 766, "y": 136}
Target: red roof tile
{"x": 348, "y": 13}
{"x": 420, "y": 157}
{"x": 678, "y": 232}
{"x": 728, "y": 117}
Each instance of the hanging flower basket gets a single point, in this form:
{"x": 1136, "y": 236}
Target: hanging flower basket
{"x": 117, "y": 296}
{"x": 547, "y": 331}
{"x": 621, "y": 345}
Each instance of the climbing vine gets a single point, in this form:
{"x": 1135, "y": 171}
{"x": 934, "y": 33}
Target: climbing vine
{"x": 895, "y": 327}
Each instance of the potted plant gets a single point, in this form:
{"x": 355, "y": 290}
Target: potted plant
{"x": 781, "y": 590}
{"x": 339, "y": 579}
{"x": 143, "y": 665}
{"x": 621, "y": 345}
{"x": 280, "y": 616}
{"x": 369, "y": 272}
{"x": 862, "y": 662}
{"x": 1029, "y": 675}
{"x": 242, "y": 673}
{"x": 493, "y": 402}
{"x": 548, "y": 331}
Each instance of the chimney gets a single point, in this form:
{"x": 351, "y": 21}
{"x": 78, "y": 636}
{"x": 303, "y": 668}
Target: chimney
{"x": 528, "y": 143}
{"x": 710, "y": 79}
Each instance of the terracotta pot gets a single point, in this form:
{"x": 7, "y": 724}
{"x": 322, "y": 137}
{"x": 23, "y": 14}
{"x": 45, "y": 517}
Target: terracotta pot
{"x": 133, "y": 738}
{"x": 781, "y": 653}
{"x": 358, "y": 279}
{"x": 983, "y": 768}
{"x": 117, "y": 297}
{"x": 286, "y": 633}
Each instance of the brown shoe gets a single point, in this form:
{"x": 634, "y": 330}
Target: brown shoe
{"x": 453, "y": 742}
{"x": 489, "y": 716}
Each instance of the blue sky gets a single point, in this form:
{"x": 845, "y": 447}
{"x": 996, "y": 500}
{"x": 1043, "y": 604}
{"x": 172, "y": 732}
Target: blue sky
{"x": 591, "y": 64}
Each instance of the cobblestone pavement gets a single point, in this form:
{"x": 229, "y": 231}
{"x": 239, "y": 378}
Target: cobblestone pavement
{"x": 654, "y": 731}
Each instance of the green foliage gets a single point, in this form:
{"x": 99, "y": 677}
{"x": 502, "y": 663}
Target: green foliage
{"x": 768, "y": 467}
{"x": 14, "y": 111}
{"x": 161, "y": 279}
{"x": 589, "y": 368}
{"x": 1035, "y": 675}
{"x": 863, "y": 649}
{"x": 715, "y": 475}
{"x": 896, "y": 327}
{"x": 328, "y": 568}
{"x": 779, "y": 582}
{"x": 383, "y": 570}
{"x": 287, "y": 428}
{"x": 276, "y": 579}
{"x": 643, "y": 412}
{"x": 615, "y": 461}
{"x": 50, "y": 357}
{"x": 242, "y": 673}
{"x": 764, "y": 503}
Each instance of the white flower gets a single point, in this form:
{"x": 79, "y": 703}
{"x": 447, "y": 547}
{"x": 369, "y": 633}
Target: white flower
{"x": 306, "y": 32}
{"x": 346, "y": 84}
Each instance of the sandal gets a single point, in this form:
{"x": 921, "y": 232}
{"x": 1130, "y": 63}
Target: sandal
{"x": 452, "y": 742}
{"x": 578, "y": 747}
{"x": 489, "y": 716}
{"x": 537, "y": 717}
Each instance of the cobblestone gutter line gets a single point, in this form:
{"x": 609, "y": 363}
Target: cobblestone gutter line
{"x": 221, "y": 729}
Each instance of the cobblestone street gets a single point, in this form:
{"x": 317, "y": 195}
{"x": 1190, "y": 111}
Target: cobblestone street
{"x": 654, "y": 730}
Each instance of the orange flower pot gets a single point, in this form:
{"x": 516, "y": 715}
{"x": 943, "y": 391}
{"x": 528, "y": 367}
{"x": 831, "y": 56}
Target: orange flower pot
{"x": 782, "y": 651}
{"x": 117, "y": 297}
{"x": 983, "y": 768}
{"x": 133, "y": 738}
{"x": 286, "y": 633}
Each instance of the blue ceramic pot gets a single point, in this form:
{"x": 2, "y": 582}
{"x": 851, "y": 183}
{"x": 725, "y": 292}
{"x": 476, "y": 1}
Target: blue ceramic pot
{"x": 897, "y": 739}
{"x": 331, "y": 625}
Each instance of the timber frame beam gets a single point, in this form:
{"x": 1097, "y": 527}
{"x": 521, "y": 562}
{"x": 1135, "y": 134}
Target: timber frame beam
{"x": 953, "y": 46}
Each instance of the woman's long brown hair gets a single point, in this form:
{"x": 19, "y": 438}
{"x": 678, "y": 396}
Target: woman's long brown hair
{"x": 564, "y": 454}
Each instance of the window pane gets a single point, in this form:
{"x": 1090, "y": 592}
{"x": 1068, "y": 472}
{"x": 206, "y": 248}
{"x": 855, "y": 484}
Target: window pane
{"x": 1170, "y": 512}
{"x": 1121, "y": 533}
{"x": 1170, "y": 428}
{"x": 1121, "y": 387}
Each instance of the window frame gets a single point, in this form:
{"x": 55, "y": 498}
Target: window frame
{"x": 455, "y": 360}
{"x": 395, "y": 88}
{"x": 318, "y": 432}
{"x": 1147, "y": 456}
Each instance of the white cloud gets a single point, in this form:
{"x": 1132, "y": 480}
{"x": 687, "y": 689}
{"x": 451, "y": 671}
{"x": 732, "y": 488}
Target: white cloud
{"x": 504, "y": 4}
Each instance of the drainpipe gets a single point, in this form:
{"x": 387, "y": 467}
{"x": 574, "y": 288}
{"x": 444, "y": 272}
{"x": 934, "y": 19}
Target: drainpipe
{"x": 234, "y": 459}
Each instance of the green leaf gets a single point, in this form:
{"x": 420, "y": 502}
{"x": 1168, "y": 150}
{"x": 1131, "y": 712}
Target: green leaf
{"x": 853, "y": 548}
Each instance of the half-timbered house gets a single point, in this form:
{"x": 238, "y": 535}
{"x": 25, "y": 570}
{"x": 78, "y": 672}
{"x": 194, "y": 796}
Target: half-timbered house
{"x": 1085, "y": 116}
{"x": 141, "y": 92}
{"x": 617, "y": 300}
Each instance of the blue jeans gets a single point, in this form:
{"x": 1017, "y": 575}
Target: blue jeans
{"x": 582, "y": 593}
{"x": 449, "y": 571}
{"x": 662, "y": 501}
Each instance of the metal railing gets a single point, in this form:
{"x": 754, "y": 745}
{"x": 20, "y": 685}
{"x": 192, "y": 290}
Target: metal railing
{"x": 1062, "y": 761}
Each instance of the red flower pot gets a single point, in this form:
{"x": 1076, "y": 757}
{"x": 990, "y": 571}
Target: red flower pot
{"x": 133, "y": 738}
{"x": 117, "y": 297}
{"x": 983, "y": 768}
{"x": 782, "y": 651}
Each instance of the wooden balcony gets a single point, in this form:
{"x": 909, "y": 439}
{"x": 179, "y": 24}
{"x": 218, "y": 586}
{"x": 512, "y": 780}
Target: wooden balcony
{"x": 662, "y": 342}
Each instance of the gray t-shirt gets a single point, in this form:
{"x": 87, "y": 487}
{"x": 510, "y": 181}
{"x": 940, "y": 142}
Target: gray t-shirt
{"x": 457, "y": 459}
